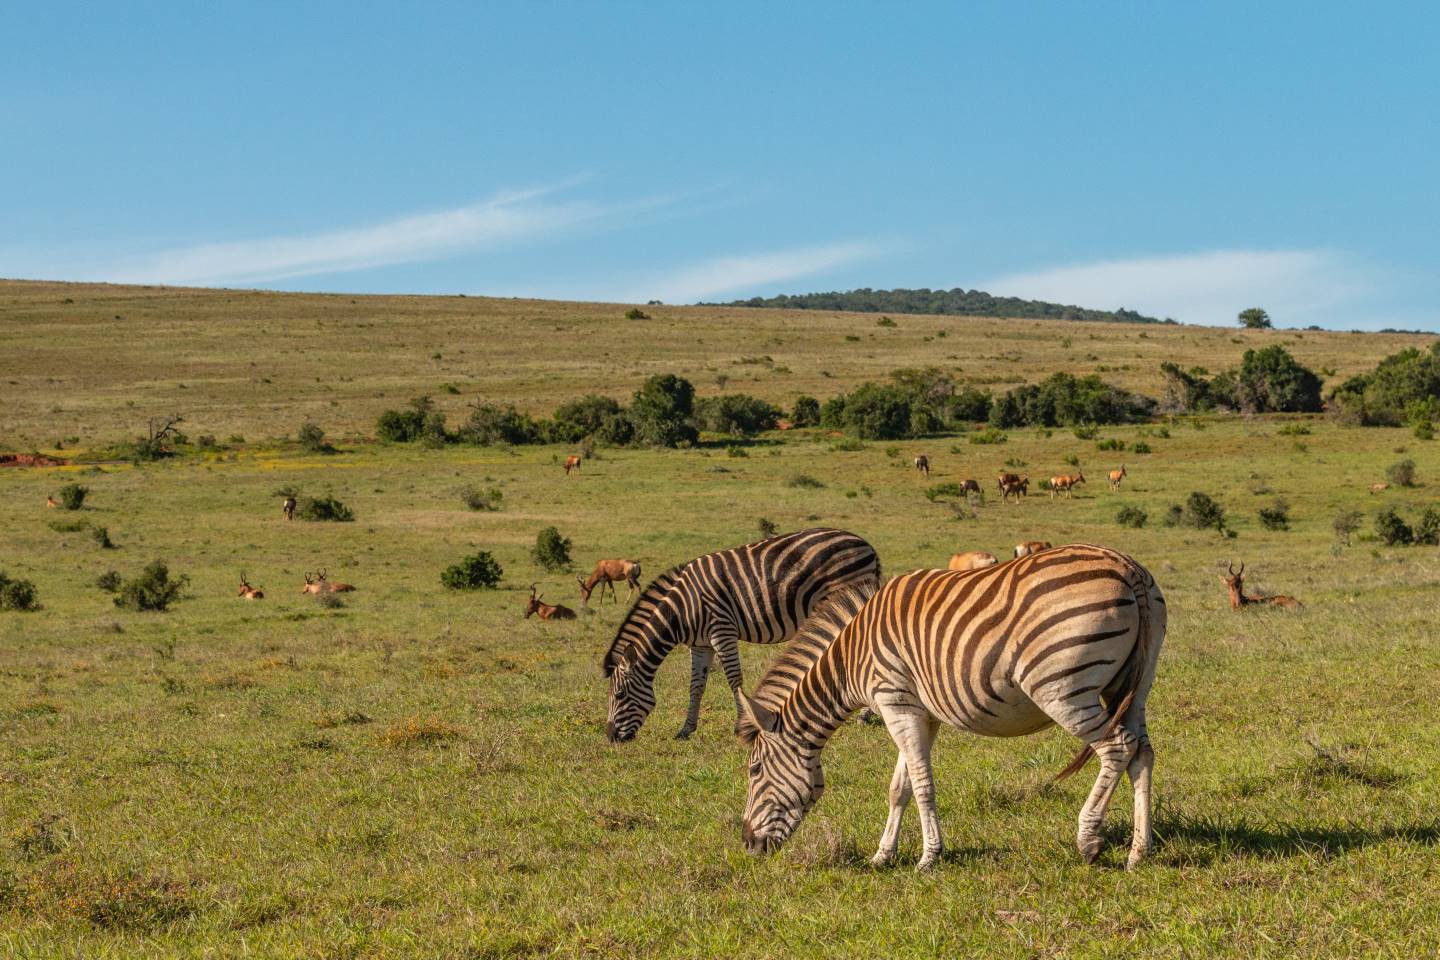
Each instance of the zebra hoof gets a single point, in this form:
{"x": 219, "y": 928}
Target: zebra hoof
{"x": 1090, "y": 848}
{"x": 927, "y": 863}
{"x": 882, "y": 859}
{"x": 1136, "y": 858}
{"x": 684, "y": 733}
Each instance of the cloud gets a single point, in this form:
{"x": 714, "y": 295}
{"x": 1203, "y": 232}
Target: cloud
{"x": 503, "y": 219}
{"x": 746, "y": 272}
{"x": 1296, "y": 287}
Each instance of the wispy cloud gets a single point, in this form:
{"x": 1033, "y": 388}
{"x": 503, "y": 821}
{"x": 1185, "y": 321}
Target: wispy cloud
{"x": 1295, "y": 286}
{"x": 505, "y": 218}
{"x": 746, "y": 272}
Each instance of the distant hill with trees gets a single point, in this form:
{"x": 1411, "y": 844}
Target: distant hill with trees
{"x": 961, "y": 302}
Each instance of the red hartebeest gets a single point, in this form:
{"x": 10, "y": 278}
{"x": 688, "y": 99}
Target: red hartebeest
{"x": 249, "y": 592}
{"x": 1380, "y": 487}
{"x": 1029, "y": 547}
{"x": 546, "y": 611}
{"x": 969, "y": 486}
{"x": 972, "y": 560}
{"x": 1013, "y": 483}
{"x": 317, "y": 584}
{"x": 1116, "y": 476}
{"x": 1065, "y": 484}
{"x": 288, "y": 508}
{"x": 922, "y": 465}
{"x": 51, "y": 502}
{"x": 607, "y": 573}
{"x": 572, "y": 462}
{"x": 1237, "y": 592}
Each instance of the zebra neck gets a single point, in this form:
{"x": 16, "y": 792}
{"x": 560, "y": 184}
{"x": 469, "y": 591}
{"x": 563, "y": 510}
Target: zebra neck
{"x": 823, "y": 699}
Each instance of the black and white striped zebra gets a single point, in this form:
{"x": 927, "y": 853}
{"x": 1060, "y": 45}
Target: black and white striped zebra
{"x": 1068, "y": 636}
{"x": 759, "y": 593}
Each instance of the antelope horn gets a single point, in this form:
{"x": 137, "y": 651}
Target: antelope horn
{"x": 1242, "y": 566}
{"x": 1230, "y": 565}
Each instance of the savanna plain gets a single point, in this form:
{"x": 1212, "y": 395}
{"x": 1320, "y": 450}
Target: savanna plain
{"x": 423, "y": 772}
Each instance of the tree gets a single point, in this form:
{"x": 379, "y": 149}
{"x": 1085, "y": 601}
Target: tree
{"x": 1272, "y": 381}
{"x": 661, "y": 411}
{"x": 1253, "y": 318}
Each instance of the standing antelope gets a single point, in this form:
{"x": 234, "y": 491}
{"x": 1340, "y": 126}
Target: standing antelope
{"x": 249, "y": 592}
{"x": 972, "y": 560}
{"x": 969, "y": 486}
{"x": 1013, "y": 483}
{"x": 922, "y": 464}
{"x": 1029, "y": 547}
{"x": 572, "y": 462}
{"x": 1238, "y": 599}
{"x": 51, "y": 502}
{"x": 759, "y": 593}
{"x": 1065, "y": 484}
{"x": 607, "y": 573}
{"x": 1116, "y": 476}
{"x": 546, "y": 611}
{"x": 1070, "y": 638}
{"x": 288, "y": 508}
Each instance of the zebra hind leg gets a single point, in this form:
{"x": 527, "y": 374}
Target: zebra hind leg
{"x": 1115, "y": 751}
{"x": 1140, "y": 768}
{"x": 700, "y": 658}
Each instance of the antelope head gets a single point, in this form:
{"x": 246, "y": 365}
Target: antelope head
{"x": 534, "y": 605}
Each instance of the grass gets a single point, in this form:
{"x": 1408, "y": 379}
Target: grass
{"x": 424, "y": 773}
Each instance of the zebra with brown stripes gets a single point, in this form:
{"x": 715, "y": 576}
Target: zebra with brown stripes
{"x": 760, "y": 593}
{"x": 1067, "y": 636}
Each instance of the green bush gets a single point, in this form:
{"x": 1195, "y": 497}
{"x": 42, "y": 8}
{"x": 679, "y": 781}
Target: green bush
{"x": 1200, "y": 511}
{"x": 1272, "y": 381}
{"x": 662, "y": 411}
{"x": 1131, "y": 516}
{"x": 1345, "y": 524}
{"x": 635, "y": 313}
{"x": 1427, "y": 531}
{"x": 1086, "y": 431}
{"x": 804, "y": 481}
{"x": 109, "y": 581}
{"x": 737, "y": 452}
{"x": 944, "y": 490}
{"x": 736, "y": 413}
{"x": 1110, "y": 443}
{"x": 768, "y": 528}
{"x": 323, "y": 509}
{"x": 490, "y": 423}
{"x": 102, "y": 537}
{"x": 312, "y": 438}
{"x": 477, "y": 499}
{"x": 421, "y": 421}
{"x": 72, "y": 496}
{"x": 586, "y": 417}
{"x": 153, "y": 589}
{"x": 1404, "y": 387}
{"x": 477, "y": 571}
{"x": 1140, "y": 446}
{"x": 1063, "y": 399}
{"x": 69, "y": 526}
{"x": 990, "y": 435}
{"x": 1423, "y": 430}
{"x": 551, "y": 550}
{"x": 806, "y": 412}
{"x": 885, "y": 322}
{"x": 1391, "y": 529}
{"x": 1276, "y": 516}
{"x": 1401, "y": 474}
{"x": 17, "y": 594}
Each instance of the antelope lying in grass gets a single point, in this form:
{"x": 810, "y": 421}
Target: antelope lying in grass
{"x": 972, "y": 560}
{"x": 249, "y": 592}
{"x": 51, "y": 502}
{"x": 546, "y": 611}
{"x": 1379, "y": 487}
{"x": 606, "y": 574}
{"x": 1238, "y": 599}
{"x": 572, "y": 462}
{"x": 317, "y": 584}
{"x": 1029, "y": 547}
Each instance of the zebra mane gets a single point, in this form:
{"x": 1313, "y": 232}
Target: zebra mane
{"x": 643, "y": 611}
{"x": 825, "y": 623}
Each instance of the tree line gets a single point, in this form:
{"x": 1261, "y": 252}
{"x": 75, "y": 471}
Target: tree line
{"x": 956, "y": 302}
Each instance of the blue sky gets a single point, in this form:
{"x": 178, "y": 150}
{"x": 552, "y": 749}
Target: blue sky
{"x": 1186, "y": 160}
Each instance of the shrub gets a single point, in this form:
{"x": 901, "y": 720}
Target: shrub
{"x": 1401, "y": 474}
{"x": 768, "y": 528}
{"x": 1345, "y": 524}
{"x": 990, "y": 435}
{"x": 17, "y": 594}
{"x": 806, "y": 412}
{"x": 312, "y": 438}
{"x": 1140, "y": 446}
{"x": 1391, "y": 530}
{"x": 551, "y": 550}
{"x": 1294, "y": 430}
{"x": 109, "y": 581}
{"x": 1276, "y": 516}
{"x": 1086, "y": 431}
{"x": 586, "y": 417}
{"x": 635, "y": 313}
{"x": 1404, "y": 387}
{"x": 1110, "y": 443}
{"x": 320, "y": 509}
{"x": 1174, "y": 514}
{"x": 803, "y": 481}
{"x": 419, "y": 422}
{"x": 944, "y": 490}
{"x": 738, "y": 452}
{"x": 1427, "y": 531}
{"x": 477, "y": 499}
{"x": 479, "y": 570}
{"x": 885, "y": 322}
{"x": 1272, "y": 381}
{"x": 1200, "y": 511}
{"x": 661, "y": 412}
{"x": 1424, "y": 430}
{"x": 1073, "y": 460}
{"x": 848, "y": 445}
{"x": 1063, "y": 399}
{"x": 877, "y": 412}
{"x": 72, "y": 496}
{"x": 491, "y": 423}
{"x": 1131, "y": 516}
{"x": 102, "y": 537}
{"x": 736, "y": 413}
{"x": 69, "y": 526}
{"x": 153, "y": 589}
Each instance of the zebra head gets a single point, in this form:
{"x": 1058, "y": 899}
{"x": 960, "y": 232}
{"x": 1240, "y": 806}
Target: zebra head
{"x": 785, "y": 779}
{"x": 632, "y": 697}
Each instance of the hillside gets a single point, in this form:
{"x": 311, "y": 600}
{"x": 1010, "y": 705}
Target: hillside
{"x": 93, "y": 361}
{"x": 956, "y": 302}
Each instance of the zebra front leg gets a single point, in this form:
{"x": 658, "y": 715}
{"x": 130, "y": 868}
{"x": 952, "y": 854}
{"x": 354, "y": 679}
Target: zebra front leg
{"x": 700, "y": 658}
{"x": 727, "y": 647}
{"x": 913, "y": 730}
{"x": 899, "y": 799}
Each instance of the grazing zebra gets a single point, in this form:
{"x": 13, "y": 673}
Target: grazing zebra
{"x": 760, "y": 593}
{"x": 1068, "y": 636}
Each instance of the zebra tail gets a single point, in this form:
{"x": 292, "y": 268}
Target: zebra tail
{"x": 1140, "y": 659}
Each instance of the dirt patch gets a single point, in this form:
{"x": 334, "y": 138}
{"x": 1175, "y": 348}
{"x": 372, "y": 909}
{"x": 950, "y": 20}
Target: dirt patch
{"x": 30, "y": 460}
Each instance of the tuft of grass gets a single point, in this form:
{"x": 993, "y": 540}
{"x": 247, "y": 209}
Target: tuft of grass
{"x": 417, "y": 731}
{"x": 803, "y": 481}
{"x": 487, "y": 500}
{"x": 345, "y": 718}
{"x": 69, "y": 526}
{"x": 988, "y": 436}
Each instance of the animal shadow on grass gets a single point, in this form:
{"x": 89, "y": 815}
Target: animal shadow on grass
{"x": 1183, "y": 840}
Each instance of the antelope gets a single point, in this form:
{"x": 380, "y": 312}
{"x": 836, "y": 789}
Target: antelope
{"x": 288, "y": 508}
{"x": 317, "y": 584}
{"x": 606, "y": 574}
{"x": 1237, "y": 592}
{"x": 249, "y": 592}
{"x": 1116, "y": 476}
{"x": 1380, "y": 487}
{"x": 972, "y": 560}
{"x": 1029, "y": 547}
{"x": 922, "y": 464}
{"x": 546, "y": 611}
{"x": 51, "y": 502}
{"x": 1065, "y": 484}
{"x": 572, "y": 462}
{"x": 969, "y": 486}
{"x": 1013, "y": 483}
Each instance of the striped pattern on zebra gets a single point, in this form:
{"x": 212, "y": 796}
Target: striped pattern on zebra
{"x": 1067, "y": 636}
{"x": 759, "y": 592}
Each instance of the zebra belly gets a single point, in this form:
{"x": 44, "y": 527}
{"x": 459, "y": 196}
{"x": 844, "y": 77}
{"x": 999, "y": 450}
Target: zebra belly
{"x": 1012, "y": 715}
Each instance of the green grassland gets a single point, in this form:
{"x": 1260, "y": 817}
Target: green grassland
{"x": 423, "y": 773}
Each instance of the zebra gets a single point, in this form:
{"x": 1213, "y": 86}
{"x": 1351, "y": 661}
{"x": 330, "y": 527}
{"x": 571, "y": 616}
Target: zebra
{"x": 1068, "y": 636}
{"x": 759, "y": 592}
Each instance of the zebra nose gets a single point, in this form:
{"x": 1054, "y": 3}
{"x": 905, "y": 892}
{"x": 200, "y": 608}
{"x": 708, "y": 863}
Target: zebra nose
{"x": 747, "y": 834}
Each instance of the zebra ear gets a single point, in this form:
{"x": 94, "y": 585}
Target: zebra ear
{"x": 754, "y": 717}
